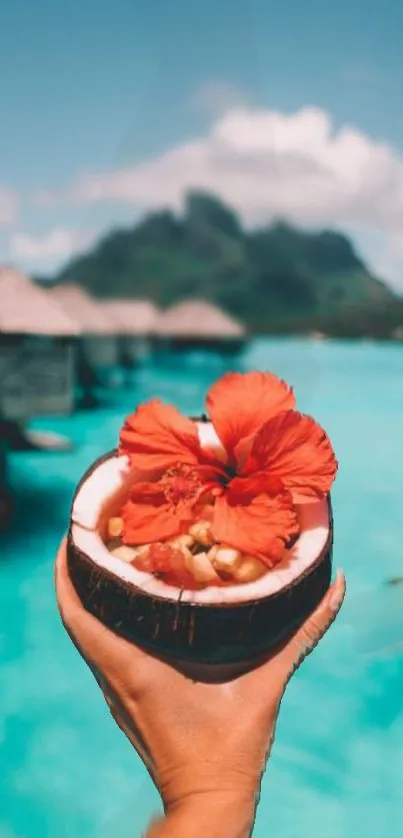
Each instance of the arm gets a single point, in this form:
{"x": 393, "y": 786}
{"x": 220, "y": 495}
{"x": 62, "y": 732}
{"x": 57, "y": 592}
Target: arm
{"x": 204, "y": 744}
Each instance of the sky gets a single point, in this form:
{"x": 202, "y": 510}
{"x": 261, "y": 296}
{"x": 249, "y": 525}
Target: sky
{"x": 112, "y": 108}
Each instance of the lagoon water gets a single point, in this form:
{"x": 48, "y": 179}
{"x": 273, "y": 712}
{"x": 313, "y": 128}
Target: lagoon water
{"x": 337, "y": 764}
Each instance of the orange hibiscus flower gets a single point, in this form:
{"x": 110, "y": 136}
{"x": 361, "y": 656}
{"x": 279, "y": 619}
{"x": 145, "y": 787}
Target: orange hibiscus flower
{"x": 272, "y": 458}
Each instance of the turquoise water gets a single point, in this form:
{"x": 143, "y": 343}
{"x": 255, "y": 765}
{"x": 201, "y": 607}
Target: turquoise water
{"x": 337, "y": 765}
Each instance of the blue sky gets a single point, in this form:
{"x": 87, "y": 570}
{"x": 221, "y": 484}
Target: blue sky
{"x": 106, "y": 106}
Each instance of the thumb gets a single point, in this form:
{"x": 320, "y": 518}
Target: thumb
{"x": 314, "y": 628}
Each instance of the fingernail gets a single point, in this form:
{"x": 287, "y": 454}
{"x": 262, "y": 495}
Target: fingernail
{"x": 336, "y": 593}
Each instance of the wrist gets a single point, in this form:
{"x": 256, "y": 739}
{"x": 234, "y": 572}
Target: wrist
{"x": 216, "y": 813}
{"x": 207, "y": 779}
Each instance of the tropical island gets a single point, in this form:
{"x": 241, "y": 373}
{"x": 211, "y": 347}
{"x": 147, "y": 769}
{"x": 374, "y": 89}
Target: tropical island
{"x": 277, "y": 279}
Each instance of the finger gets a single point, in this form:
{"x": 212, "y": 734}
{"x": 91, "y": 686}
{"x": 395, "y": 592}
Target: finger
{"x": 94, "y": 641}
{"x": 72, "y": 612}
{"x": 107, "y": 654}
{"x": 74, "y": 618}
{"x": 68, "y": 601}
{"x": 128, "y": 726}
{"x": 314, "y": 628}
{"x": 74, "y": 615}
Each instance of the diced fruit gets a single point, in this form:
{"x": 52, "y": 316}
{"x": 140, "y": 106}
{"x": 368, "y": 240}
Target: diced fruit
{"x": 179, "y": 559}
{"x": 184, "y": 540}
{"x": 160, "y": 556}
{"x": 249, "y": 570}
{"x": 115, "y": 527}
{"x": 199, "y": 565}
{"x": 168, "y": 561}
{"x": 201, "y": 532}
{"x": 144, "y": 562}
{"x": 142, "y": 548}
{"x": 225, "y": 559}
{"x": 127, "y": 554}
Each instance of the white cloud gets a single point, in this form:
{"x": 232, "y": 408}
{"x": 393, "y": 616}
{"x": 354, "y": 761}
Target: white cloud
{"x": 46, "y": 197}
{"x": 269, "y": 164}
{"x": 56, "y": 245}
{"x": 8, "y": 206}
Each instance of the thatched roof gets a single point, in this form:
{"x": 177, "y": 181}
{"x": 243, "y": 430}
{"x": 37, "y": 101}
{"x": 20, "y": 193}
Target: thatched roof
{"x": 27, "y": 309}
{"x": 134, "y": 317}
{"x": 198, "y": 318}
{"x": 92, "y": 316}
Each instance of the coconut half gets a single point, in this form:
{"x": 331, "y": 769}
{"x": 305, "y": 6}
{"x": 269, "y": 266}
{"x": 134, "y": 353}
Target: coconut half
{"x": 213, "y": 624}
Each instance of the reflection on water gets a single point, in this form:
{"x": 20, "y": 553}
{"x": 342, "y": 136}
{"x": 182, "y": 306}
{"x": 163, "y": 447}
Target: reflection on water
{"x": 337, "y": 769}
{"x": 376, "y": 621}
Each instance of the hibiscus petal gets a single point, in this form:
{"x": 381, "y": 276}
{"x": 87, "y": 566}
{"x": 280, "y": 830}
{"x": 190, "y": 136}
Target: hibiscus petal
{"x": 157, "y": 436}
{"x": 148, "y": 517}
{"x": 258, "y": 526}
{"x": 239, "y": 404}
{"x": 246, "y": 488}
{"x": 296, "y": 450}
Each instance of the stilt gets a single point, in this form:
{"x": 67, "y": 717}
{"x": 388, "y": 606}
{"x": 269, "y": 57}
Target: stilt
{"x": 6, "y": 500}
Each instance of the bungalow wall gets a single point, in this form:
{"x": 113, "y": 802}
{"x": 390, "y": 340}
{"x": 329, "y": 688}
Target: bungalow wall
{"x": 36, "y": 376}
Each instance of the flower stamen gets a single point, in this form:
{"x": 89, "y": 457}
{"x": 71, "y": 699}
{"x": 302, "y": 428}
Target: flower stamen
{"x": 180, "y": 484}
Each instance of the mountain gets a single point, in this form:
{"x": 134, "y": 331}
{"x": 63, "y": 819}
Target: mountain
{"x": 270, "y": 277}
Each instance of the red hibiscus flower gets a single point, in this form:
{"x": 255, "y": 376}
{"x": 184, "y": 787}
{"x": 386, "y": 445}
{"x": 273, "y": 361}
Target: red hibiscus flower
{"x": 272, "y": 458}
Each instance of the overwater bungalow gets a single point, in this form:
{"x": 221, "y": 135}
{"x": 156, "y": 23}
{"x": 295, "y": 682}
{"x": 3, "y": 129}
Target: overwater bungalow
{"x": 397, "y": 333}
{"x": 136, "y": 320}
{"x": 97, "y": 325}
{"x": 36, "y": 350}
{"x": 98, "y": 348}
{"x": 37, "y": 343}
{"x": 197, "y": 323}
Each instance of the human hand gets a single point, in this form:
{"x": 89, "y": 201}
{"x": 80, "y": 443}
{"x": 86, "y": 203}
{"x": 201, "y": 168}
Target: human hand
{"x": 205, "y": 745}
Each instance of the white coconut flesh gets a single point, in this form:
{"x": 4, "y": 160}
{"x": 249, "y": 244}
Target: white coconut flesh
{"x": 105, "y": 489}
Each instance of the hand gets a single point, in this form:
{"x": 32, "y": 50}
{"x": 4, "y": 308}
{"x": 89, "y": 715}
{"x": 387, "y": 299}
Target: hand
{"x": 205, "y": 744}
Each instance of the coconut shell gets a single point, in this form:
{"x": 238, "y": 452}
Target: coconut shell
{"x": 198, "y": 633}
